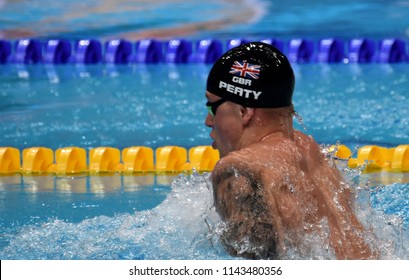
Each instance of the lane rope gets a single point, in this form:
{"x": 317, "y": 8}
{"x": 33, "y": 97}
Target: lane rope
{"x": 171, "y": 159}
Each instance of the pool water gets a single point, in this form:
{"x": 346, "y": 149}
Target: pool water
{"x": 171, "y": 216}
{"x": 35, "y": 198}
{"x": 99, "y": 105}
{"x": 147, "y": 216}
{"x": 182, "y": 226}
{"x": 135, "y": 19}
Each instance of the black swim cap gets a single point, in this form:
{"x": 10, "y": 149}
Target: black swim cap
{"x": 254, "y": 75}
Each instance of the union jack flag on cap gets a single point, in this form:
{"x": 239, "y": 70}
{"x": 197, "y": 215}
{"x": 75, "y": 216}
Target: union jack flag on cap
{"x": 245, "y": 69}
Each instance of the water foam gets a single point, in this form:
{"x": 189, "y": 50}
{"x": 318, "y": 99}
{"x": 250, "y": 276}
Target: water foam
{"x": 179, "y": 228}
{"x": 186, "y": 226}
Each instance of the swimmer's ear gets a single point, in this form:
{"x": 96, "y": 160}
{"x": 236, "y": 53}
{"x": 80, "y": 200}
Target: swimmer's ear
{"x": 246, "y": 114}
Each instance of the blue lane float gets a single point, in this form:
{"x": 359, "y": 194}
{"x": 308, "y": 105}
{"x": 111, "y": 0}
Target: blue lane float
{"x": 88, "y": 52}
{"x": 118, "y": 51}
{"x": 5, "y": 51}
{"x": 28, "y": 51}
{"x": 57, "y": 51}
{"x": 121, "y": 51}
{"x": 208, "y": 51}
{"x": 361, "y": 51}
{"x": 300, "y": 50}
{"x": 178, "y": 51}
{"x": 392, "y": 51}
{"x": 330, "y": 51}
{"x": 279, "y": 44}
{"x": 149, "y": 51}
{"x": 235, "y": 42}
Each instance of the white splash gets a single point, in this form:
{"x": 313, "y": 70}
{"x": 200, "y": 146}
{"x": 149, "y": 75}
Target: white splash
{"x": 184, "y": 226}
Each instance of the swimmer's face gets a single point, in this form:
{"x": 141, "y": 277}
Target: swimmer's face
{"x": 225, "y": 125}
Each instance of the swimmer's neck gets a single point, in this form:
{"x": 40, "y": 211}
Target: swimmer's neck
{"x": 268, "y": 125}
{"x": 283, "y": 131}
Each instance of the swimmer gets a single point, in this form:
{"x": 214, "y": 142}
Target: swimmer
{"x": 273, "y": 185}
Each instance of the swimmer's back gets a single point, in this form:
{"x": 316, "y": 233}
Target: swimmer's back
{"x": 276, "y": 166}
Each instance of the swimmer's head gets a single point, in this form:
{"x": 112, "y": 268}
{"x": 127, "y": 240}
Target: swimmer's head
{"x": 254, "y": 75}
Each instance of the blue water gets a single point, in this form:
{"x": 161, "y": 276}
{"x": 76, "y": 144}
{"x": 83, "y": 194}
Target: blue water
{"x": 59, "y": 107}
{"x": 375, "y": 19}
{"x": 122, "y": 217}
{"x": 172, "y": 217}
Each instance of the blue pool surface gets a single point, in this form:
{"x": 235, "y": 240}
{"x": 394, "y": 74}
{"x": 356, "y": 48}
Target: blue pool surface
{"x": 150, "y": 216}
{"x": 314, "y": 19}
{"x": 103, "y": 106}
{"x": 59, "y": 107}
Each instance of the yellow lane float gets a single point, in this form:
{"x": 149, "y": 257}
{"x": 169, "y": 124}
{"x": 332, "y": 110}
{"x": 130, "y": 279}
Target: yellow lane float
{"x": 170, "y": 159}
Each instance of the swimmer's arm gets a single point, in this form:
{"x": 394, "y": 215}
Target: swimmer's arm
{"x": 239, "y": 201}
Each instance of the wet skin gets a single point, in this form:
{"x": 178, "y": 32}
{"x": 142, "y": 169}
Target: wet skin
{"x": 273, "y": 191}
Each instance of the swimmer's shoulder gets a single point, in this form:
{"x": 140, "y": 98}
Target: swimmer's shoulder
{"x": 307, "y": 139}
{"x": 234, "y": 161}
{"x": 235, "y": 165}
{"x": 243, "y": 164}
{"x": 306, "y": 142}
